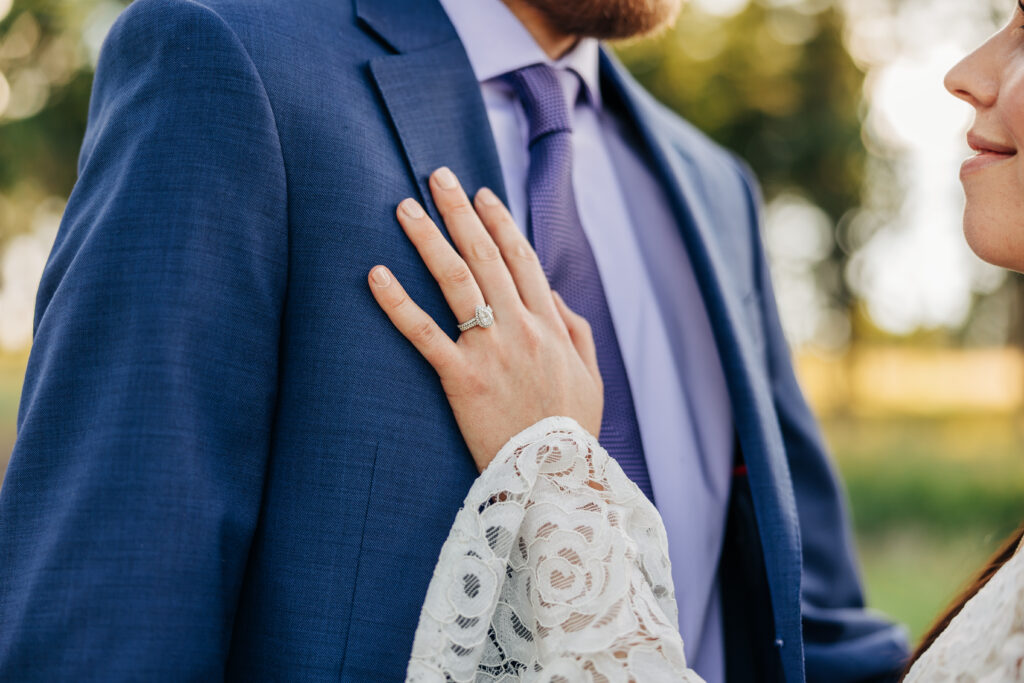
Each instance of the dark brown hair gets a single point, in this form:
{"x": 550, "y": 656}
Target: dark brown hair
{"x": 1001, "y": 557}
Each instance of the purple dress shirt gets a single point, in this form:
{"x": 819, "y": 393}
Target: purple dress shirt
{"x": 665, "y": 336}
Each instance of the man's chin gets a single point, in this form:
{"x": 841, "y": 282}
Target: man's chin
{"x": 608, "y": 19}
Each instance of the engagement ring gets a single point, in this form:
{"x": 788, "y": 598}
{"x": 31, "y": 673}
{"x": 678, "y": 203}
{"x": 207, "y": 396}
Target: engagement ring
{"x": 484, "y": 318}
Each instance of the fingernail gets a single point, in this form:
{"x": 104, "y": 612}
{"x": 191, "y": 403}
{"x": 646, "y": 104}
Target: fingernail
{"x": 487, "y": 198}
{"x": 445, "y": 178}
{"x": 411, "y": 208}
{"x": 381, "y": 277}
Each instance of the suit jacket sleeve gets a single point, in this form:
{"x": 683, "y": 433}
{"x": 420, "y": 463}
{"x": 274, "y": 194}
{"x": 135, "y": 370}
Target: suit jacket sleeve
{"x": 144, "y": 424}
{"x": 843, "y": 642}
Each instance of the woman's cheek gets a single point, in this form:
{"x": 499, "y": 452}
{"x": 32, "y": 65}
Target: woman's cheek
{"x": 994, "y": 215}
{"x": 1011, "y": 98}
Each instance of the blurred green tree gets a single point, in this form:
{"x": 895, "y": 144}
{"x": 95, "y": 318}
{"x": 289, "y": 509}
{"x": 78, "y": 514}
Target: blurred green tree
{"x": 773, "y": 83}
{"x": 46, "y": 52}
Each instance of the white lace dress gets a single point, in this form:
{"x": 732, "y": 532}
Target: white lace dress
{"x": 556, "y": 569}
{"x": 985, "y": 642}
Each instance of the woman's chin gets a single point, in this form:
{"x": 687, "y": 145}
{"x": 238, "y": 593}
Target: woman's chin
{"x": 995, "y": 240}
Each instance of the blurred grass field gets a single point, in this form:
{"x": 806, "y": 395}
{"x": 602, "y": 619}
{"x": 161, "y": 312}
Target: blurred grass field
{"x": 931, "y": 496}
{"x": 931, "y": 499}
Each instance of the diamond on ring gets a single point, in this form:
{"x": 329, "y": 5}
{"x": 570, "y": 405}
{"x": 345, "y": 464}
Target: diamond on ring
{"x": 484, "y": 318}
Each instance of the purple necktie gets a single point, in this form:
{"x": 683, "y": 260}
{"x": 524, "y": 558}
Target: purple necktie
{"x": 569, "y": 263}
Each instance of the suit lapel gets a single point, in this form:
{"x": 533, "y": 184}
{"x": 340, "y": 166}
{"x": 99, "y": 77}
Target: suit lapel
{"x": 753, "y": 406}
{"x": 432, "y": 96}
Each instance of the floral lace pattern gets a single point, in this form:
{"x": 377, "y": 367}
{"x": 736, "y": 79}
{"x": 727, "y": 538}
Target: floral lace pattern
{"x": 985, "y": 642}
{"x": 556, "y": 570}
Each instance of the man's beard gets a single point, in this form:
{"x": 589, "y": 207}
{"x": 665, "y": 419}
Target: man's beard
{"x": 607, "y": 19}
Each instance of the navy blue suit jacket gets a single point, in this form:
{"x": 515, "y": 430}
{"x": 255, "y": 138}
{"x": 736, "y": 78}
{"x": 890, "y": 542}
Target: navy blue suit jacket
{"x": 229, "y": 464}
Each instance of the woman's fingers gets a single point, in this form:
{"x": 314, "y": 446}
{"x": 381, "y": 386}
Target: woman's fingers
{"x": 451, "y": 272}
{"x": 474, "y": 242}
{"x": 412, "y": 321}
{"x": 579, "y": 331}
{"x": 520, "y": 257}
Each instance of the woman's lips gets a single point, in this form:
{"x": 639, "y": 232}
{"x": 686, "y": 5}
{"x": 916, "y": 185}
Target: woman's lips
{"x": 988, "y": 153}
{"x": 983, "y": 159}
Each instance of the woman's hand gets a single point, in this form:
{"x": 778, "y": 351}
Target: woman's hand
{"x": 537, "y": 360}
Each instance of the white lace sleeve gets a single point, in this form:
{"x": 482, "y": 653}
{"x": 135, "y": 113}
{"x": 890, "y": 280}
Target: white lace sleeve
{"x": 985, "y": 642}
{"x": 556, "y": 569}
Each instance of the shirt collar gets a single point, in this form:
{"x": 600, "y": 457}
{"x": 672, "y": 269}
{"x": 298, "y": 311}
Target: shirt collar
{"x": 478, "y": 22}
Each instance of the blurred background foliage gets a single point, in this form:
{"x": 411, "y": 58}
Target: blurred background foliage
{"x": 908, "y": 346}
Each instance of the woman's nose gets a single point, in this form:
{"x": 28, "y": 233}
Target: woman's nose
{"x": 974, "y": 79}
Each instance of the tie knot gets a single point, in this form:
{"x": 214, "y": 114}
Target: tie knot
{"x": 543, "y": 100}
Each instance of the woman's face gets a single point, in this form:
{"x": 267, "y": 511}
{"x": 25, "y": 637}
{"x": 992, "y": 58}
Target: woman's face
{"x": 991, "y": 79}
